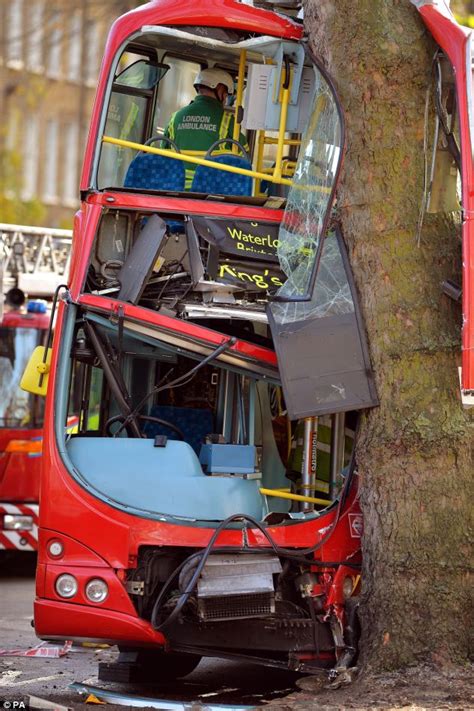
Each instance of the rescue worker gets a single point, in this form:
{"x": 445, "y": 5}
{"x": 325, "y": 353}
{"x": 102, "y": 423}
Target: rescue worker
{"x": 204, "y": 121}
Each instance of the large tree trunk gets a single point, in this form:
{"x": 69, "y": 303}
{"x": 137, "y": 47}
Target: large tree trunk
{"x": 414, "y": 451}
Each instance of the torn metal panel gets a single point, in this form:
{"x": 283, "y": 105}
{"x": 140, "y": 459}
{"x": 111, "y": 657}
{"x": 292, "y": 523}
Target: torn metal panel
{"x": 321, "y": 345}
{"x": 112, "y": 697}
{"x": 139, "y": 264}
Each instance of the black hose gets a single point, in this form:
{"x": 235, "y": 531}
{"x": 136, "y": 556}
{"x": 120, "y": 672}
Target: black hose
{"x": 350, "y": 635}
{"x": 280, "y": 552}
{"x": 112, "y": 380}
{"x": 173, "y": 383}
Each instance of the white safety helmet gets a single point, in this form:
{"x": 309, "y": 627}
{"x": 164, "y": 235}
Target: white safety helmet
{"x": 212, "y": 77}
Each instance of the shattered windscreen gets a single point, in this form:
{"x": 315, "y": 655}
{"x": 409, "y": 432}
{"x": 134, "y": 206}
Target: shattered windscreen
{"x": 331, "y": 294}
{"x": 321, "y": 345}
{"x": 315, "y": 321}
{"x": 310, "y": 195}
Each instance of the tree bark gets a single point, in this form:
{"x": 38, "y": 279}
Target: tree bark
{"x": 414, "y": 452}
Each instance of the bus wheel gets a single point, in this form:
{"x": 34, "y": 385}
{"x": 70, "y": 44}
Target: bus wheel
{"x": 147, "y": 665}
{"x": 168, "y": 665}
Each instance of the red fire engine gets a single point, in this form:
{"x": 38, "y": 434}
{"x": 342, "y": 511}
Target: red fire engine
{"x": 207, "y": 504}
{"x": 21, "y": 423}
{"x": 33, "y": 260}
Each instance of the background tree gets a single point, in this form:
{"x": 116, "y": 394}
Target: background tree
{"x": 414, "y": 452}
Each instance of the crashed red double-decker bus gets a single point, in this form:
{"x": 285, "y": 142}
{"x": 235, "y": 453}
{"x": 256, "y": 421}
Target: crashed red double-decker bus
{"x": 207, "y": 504}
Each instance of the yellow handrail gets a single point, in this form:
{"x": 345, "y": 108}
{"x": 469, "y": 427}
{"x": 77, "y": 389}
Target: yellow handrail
{"x": 191, "y": 159}
{"x": 259, "y": 165}
{"x": 285, "y": 99}
{"x": 287, "y": 170}
{"x": 195, "y": 153}
{"x": 268, "y": 140}
{"x": 238, "y": 98}
{"x": 317, "y": 487}
{"x": 293, "y": 497}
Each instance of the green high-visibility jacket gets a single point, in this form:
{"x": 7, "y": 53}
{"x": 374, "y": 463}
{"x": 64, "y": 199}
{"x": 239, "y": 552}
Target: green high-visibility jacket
{"x": 197, "y": 126}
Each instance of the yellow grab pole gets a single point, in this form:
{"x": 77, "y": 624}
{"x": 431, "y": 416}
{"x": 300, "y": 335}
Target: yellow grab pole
{"x": 287, "y": 141}
{"x": 260, "y": 149}
{"x": 192, "y": 159}
{"x": 294, "y": 497}
{"x": 285, "y": 99}
{"x": 194, "y": 153}
{"x": 238, "y": 98}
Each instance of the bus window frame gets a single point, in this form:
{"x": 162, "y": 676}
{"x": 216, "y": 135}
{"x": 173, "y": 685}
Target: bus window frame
{"x": 127, "y": 45}
{"x": 35, "y": 402}
{"x": 456, "y": 42}
{"x": 315, "y": 62}
{"x": 143, "y": 93}
{"x": 180, "y": 57}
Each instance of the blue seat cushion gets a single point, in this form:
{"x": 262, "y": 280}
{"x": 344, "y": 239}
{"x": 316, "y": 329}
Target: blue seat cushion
{"x": 153, "y": 172}
{"x": 212, "y": 180}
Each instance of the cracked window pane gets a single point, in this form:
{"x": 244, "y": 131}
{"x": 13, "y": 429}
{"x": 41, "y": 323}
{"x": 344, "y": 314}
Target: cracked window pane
{"x": 309, "y": 197}
{"x": 331, "y": 294}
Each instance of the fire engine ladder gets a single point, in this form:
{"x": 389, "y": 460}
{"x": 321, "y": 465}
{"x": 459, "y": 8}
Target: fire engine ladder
{"x": 34, "y": 259}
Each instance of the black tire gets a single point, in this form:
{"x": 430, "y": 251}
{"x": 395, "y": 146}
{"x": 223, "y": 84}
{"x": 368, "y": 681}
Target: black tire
{"x": 166, "y": 666}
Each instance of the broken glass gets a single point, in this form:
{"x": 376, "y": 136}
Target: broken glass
{"x": 310, "y": 196}
{"x": 331, "y": 294}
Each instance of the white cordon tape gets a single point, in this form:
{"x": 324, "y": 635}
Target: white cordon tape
{"x": 44, "y": 649}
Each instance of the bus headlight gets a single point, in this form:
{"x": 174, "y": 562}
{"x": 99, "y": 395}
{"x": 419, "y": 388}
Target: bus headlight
{"x": 66, "y": 585}
{"x": 55, "y": 549}
{"x": 16, "y": 522}
{"x": 96, "y": 590}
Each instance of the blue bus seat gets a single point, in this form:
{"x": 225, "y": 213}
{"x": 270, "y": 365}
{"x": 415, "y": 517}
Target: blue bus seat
{"x": 195, "y": 424}
{"x": 221, "y": 182}
{"x": 148, "y": 171}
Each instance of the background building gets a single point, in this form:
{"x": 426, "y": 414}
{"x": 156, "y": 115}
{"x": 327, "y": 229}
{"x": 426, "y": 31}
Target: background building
{"x": 50, "y": 55}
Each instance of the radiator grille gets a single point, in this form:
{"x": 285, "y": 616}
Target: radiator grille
{"x": 233, "y": 607}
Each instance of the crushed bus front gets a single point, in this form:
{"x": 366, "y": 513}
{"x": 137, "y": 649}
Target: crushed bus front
{"x": 207, "y": 503}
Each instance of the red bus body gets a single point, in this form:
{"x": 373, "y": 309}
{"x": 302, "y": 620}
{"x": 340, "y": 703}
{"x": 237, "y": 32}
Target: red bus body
{"x": 456, "y": 43}
{"x": 84, "y": 533}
